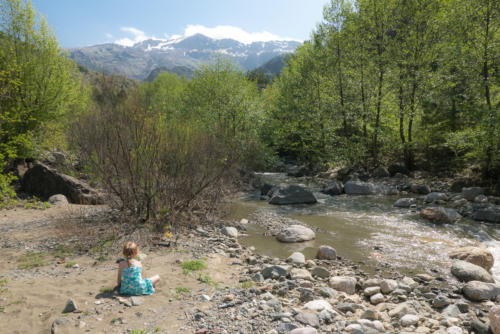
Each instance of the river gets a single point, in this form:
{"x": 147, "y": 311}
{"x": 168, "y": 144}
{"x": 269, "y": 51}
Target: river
{"x": 367, "y": 230}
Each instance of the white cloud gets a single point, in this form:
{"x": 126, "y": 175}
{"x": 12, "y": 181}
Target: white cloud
{"x": 138, "y": 36}
{"x": 221, "y": 32}
{"x": 108, "y": 35}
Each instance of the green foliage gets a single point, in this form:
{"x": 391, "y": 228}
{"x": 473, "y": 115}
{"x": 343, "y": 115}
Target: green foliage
{"x": 206, "y": 279}
{"x": 192, "y": 265}
{"x": 31, "y": 260}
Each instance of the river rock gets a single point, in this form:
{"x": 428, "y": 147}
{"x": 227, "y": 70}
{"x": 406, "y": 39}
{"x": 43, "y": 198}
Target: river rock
{"x": 475, "y": 255}
{"x": 409, "y": 320}
{"x": 405, "y": 202}
{"x": 489, "y": 214}
{"x": 304, "y": 330}
{"x": 307, "y": 318}
{"x": 494, "y": 317}
{"x": 70, "y": 306}
{"x": 377, "y": 298}
{"x": 300, "y": 274}
{"x": 381, "y": 172}
{"x": 370, "y": 291}
{"x": 418, "y": 188}
{"x": 466, "y": 271}
{"x": 297, "y": 258}
{"x": 435, "y": 196}
{"x": 326, "y": 253}
{"x": 471, "y": 193}
{"x": 439, "y": 214}
{"x": 58, "y": 199}
{"x": 62, "y": 325}
{"x": 320, "y": 272}
{"x": 388, "y": 285}
{"x": 296, "y": 233}
{"x": 333, "y": 188}
{"x": 343, "y": 283}
{"x": 318, "y": 305}
{"x": 230, "y": 231}
{"x": 292, "y": 194}
{"x": 44, "y": 182}
{"x": 366, "y": 188}
{"x": 274, "y": 271}
{"x": 402, "y": 309}
{"x": 479, "y": 291}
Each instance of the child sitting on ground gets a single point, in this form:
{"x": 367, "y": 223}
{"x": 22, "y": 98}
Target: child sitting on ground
{"x": 129, "y": 274}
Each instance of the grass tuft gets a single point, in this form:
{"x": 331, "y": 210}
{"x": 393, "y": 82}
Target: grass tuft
{"x": 193, "y": 265}
{"x": 31, "y": 260}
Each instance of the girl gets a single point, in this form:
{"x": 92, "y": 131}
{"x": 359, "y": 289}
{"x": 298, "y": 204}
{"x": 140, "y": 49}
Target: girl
{"x": 129, "y": 274}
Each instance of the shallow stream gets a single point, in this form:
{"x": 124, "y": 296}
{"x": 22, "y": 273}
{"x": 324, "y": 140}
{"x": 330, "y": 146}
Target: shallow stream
{"x": 367, "y": 230}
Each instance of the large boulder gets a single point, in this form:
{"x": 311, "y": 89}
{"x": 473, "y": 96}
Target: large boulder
{"x": 472, "y": 192}
{"x": 478, "y": 291}
{"x": 335, "y": 187}
{"x": 367, "y": 188}
{"x": 44, "y": 182}
{"x": 475, "y": 255}
{"x": 439, "y": 214}
{"x": 489, "y": 214}
{"x": 326, "y": 253}
{"x": 435, "y": 196}
{"x": 296, "y": 233}
{"x": 459, "y": 184}
{"x": 405, "y": 202}
{"x": 466, "y": 271}
{"x": 292, "y": 194}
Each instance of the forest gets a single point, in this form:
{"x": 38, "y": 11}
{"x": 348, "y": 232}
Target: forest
{"x": 414, "y": 82}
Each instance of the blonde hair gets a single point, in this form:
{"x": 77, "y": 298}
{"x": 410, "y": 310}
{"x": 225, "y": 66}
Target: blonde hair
{"x": 130, "y": 250}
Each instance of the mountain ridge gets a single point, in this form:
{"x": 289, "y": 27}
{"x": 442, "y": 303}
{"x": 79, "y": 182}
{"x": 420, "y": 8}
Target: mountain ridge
{"x": 139, "y": 60}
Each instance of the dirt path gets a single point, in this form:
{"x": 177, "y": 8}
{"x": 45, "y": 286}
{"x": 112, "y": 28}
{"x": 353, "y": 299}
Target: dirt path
{"x": 31, "y": 299}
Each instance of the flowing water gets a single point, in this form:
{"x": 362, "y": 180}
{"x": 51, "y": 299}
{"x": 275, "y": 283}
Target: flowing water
{"x": 367, "y": 230}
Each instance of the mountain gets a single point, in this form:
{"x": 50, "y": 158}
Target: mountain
{"x": 274, "y": 66}
{"x": 150, "y": 57}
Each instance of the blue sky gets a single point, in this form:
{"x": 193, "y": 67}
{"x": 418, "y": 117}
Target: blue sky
{"x": 88, "y": 22}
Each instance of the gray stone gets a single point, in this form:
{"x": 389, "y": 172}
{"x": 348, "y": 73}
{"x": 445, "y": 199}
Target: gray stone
{"x": 326, "y": 292}
{"x": 274, "y": 271}
{"x": 297, "y": 258}
{"x": 70, "y": 306}
{"x": 466, "y": 272}
{"x": 60, "y": 325}
{"x": 300, "y": 274}
{"x": 308, "y": 318}
{"x": 333, "y": 188}
{"x": 479, "y": 291}
{"x": 409, "y": 320}
{"x": 372, "y": 290}
{"x": 402, "y": 309}
{"x": 405, "y": 202}
{"x": 435, "y": 196}
{"x": 479, "y": 256}
{"x": 318, "y": 305}
{"x": 377, "y": 298}
{"x": 326, "y": 253}
{"x": 343, "y": 283}
{"x": 230, "y": 231}
{"x": 292, "y": 194}
{"x": 421, "y": 189}
{"x": 472, "y": 192}
{"x": 489, "y": 214}
{"x": 296, "y": 233}
{"x": 58, "y": 199}
{"x": 388, "y": 286}
{"x": 439, "y": 214}
{"x": 321, "y": 272}
{"x": 440, "y": 301}
{"x": 451, "y": 311}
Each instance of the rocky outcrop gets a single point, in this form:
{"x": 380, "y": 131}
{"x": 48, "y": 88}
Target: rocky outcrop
{"x": 475, "y": 255}
{"x": 472, "y": 192}
{"x": 489, "y": 214}
{"x": 435, "y": 196}
{"x": 367, "y": 188}
{"x": 292, "y": 194}
{"x": 296, "y": 233}
{"x": 333, "y": 188}
{"x": 466, "y": 271}
{"x": 439, "y": 214}
{"x": 418, "y": 188}
{"x": 44, "y": 182}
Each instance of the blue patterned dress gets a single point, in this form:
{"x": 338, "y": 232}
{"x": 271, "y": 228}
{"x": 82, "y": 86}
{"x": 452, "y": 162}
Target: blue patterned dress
{"x": 133, "y": 284}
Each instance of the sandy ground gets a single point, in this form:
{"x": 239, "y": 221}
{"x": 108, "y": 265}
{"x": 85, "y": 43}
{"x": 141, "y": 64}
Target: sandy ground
{"x": 31, "y": 299}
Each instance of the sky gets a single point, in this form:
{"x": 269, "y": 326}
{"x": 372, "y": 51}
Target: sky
{"x": 80, "y": 23}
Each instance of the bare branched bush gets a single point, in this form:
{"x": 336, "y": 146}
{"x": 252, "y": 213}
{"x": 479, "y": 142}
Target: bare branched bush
{"x": 159, "y": 169}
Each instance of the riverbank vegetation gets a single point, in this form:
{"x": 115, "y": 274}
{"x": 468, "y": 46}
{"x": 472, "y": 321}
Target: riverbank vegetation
{"x": 414, "y": 82}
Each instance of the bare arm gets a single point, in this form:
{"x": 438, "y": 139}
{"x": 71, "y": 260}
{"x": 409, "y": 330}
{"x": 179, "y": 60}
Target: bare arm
{"x": 119, "y": 276}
